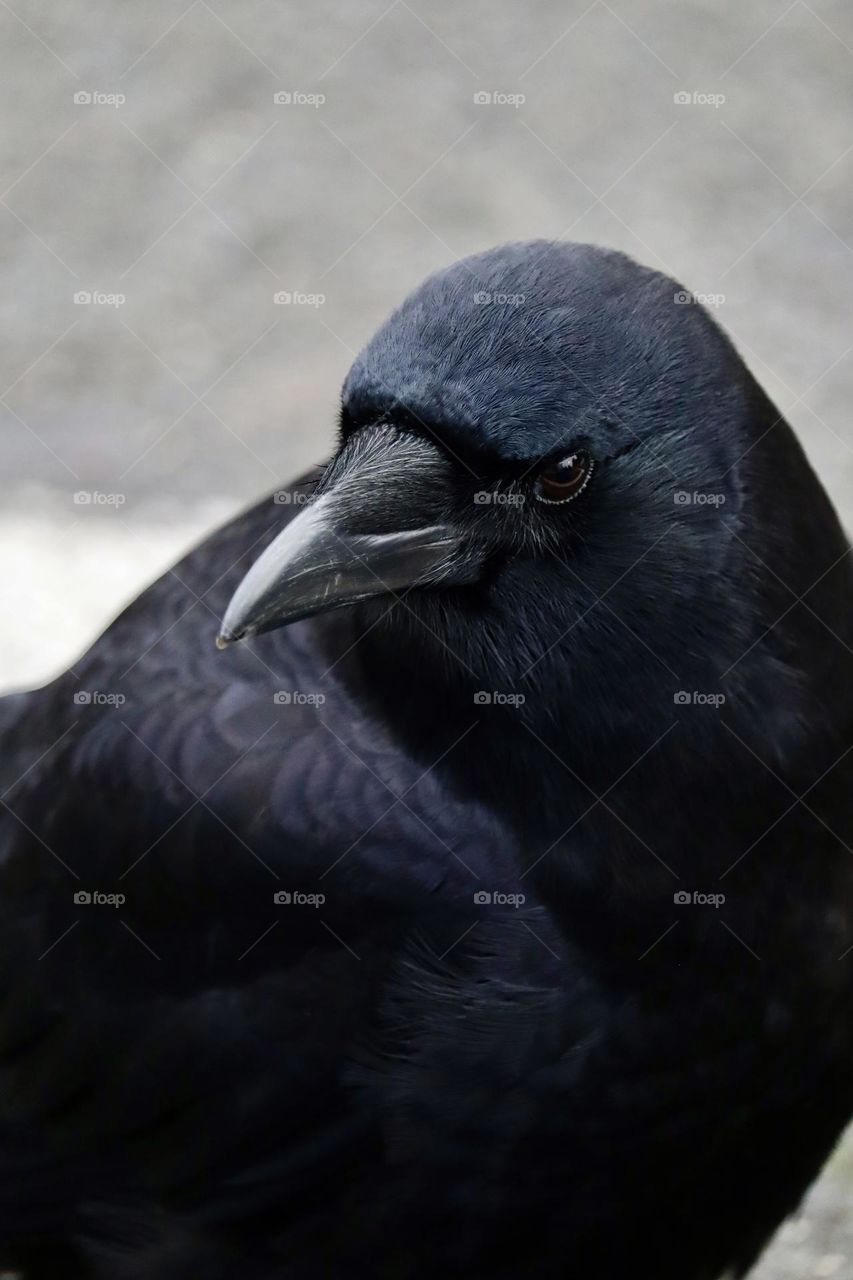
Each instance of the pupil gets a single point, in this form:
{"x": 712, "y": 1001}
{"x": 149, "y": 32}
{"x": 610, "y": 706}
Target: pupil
{"x": 564, "y": 478}
{"x": 565, "y": 473}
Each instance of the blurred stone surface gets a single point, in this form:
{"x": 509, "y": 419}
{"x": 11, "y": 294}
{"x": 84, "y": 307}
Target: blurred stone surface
{"x": 184, "y": 187}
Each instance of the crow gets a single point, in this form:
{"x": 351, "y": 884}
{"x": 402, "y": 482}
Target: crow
{"x": 486, "y": 910}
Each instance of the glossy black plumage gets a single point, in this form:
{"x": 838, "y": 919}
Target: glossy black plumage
{"x": 403, "y": 1081}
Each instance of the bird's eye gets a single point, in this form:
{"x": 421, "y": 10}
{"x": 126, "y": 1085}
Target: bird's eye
{"x": 565, "y": 480}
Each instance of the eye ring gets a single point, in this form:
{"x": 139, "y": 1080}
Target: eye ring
{"x": 563, "y": 481}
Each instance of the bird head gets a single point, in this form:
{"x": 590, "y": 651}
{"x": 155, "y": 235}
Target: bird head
{"x": 556, "y": 476}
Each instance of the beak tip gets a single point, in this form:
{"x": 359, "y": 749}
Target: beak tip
{"x": 227, "y": 636}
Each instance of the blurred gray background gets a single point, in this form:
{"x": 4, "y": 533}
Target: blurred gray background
{"x": 156, "y": 198}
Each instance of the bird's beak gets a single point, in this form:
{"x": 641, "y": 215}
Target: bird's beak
{"x": 380, "y": 526}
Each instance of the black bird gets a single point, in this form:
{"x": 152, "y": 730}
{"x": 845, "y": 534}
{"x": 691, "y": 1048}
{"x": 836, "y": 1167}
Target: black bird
{"x": 494, "y": 918}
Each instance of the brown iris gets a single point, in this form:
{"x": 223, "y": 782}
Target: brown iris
{"x": 564, "y": 480}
